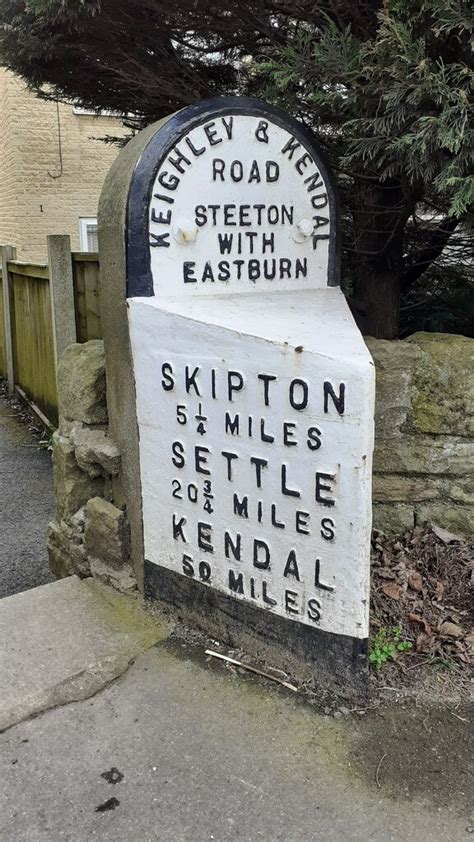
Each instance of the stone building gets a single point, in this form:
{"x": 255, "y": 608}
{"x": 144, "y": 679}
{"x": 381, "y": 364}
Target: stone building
{"x": 52, "y": 167}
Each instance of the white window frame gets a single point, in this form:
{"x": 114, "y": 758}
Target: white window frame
{"x": 89, "y": 112}
{"x": 84, "y": 222}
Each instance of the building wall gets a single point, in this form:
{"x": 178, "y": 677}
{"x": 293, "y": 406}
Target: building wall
{"x": 9, "y": 164}
{"x": 34, "y": 203}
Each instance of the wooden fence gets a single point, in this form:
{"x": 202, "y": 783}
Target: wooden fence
{"x": 3, "y": 349}
{"x": 85, "y": 273}
{"x": 44, "y": 308}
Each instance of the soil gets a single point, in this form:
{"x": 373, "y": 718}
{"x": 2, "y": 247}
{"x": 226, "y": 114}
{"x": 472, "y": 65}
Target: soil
{"x": 421, "y": 585}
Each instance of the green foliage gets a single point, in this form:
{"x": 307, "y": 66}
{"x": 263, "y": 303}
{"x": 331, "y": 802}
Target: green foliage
{"x": 386, "y": 645}
{"x": 391, "y": 102}
{"x": 441, "y": 301}
{"x": 395, "y": 105}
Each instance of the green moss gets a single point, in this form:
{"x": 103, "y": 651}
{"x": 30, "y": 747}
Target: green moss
{"x": 443, "y": 385}
{"x": 126, "y": 616}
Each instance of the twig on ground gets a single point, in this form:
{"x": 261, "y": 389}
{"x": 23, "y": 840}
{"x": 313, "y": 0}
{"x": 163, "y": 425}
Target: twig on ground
{"x": 420, "y": 664}
{"x": 458, "y": 717}
{"x": 378, "y": 769}
{"x": 251, "y": 669}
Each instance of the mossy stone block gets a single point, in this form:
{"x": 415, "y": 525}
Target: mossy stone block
{"x": 443, "y": 385}
{"x": 81, "y": 383}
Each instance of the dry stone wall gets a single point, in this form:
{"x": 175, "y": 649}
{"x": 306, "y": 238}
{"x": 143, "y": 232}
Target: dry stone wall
{"x": 89, "y": 535}
{"x": 423, "y": 461}
{"x": 424, "y": 432}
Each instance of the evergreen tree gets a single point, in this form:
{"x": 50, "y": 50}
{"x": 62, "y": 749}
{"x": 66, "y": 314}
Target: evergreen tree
{"x": 394, "y": 112}
{"x": 386, "y": 86}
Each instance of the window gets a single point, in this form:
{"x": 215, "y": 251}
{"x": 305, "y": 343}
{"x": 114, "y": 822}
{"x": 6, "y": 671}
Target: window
{"x": 90, "y": 112}
{"x": 88, "y": 233}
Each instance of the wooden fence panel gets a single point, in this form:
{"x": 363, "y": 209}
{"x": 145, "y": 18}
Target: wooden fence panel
{"x": 32, "y": 326}
{"x": 3, "y": 349}
{"x": 33, "y": 347}
{"x": 86, "y": 279}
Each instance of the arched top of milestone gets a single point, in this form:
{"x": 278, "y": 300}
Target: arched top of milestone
{"x": 231, "y": 195}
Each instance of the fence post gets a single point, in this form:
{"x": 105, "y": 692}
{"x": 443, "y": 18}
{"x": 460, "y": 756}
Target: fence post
{"x": 62, "y": 293}
{"x": 8, "y": 253}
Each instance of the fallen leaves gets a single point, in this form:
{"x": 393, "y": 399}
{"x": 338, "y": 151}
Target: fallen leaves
{"x": 446, "y": 536}
{"x": 422, "y": 581}
{"x": 425, "y": 644}
{"x": 415, "y": 580}
{"x": 392, "y": 590}
{"x": 450, "y": 630}
{"x": 417, "y": 618}
{"x": 439, "y": 587}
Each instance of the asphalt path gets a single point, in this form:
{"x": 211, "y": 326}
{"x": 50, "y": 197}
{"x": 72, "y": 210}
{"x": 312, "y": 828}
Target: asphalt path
{"x": 26, "y": 505}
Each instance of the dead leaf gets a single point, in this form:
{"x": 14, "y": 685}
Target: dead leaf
{"x": 448, "y": 629}
{"x": 417, "y": 618}
{"x": 439, "y": 590}
{"x": 392, "y": 590}
{"x": 424, "y": 644}
{"x": 445, "y": 535}
{"x": 463, "y": 657}
{"x": 415, "y": 580}
{"x": 386, "y": 574}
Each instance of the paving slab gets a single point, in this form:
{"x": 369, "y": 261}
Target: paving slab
{"x": 64, "y": 641}
{"x": 26, "y": 505}
{"x": 180, "y": 750}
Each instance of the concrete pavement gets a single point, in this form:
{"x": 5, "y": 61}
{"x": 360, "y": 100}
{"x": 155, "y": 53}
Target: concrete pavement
{"x": 26, "y": 505}
{"x": 65, "y": 641}
{"x": 179, "y": 748}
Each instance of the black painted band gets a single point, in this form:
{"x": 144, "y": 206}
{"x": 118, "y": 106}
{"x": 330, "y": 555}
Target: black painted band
{"x": 338, "y": 659}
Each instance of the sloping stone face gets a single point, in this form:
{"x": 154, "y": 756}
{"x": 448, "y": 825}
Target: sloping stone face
{"x": 73, "y": 487}
{"x": 424, "y": 432}
{"x": 88, "y": 534}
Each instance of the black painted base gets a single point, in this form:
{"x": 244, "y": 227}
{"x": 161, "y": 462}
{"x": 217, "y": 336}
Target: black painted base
{"x": 336, "y": 661}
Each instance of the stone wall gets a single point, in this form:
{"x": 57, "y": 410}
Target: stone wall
{"x": 423, "y": 461}
{"x": 424, "y": 433}
{"x": 89, "y": 535}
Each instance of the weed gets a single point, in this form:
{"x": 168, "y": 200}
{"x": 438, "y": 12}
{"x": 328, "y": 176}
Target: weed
{"x": 386, "y": 645}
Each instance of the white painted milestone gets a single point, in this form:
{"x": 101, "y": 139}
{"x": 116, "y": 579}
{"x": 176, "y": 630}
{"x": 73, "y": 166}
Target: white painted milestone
{"x": 254, "y": 388}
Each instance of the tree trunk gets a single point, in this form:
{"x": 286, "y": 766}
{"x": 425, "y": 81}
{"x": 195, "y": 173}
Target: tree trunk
{"x": 379, "y": 215}
{"x": 378, "y": 302}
